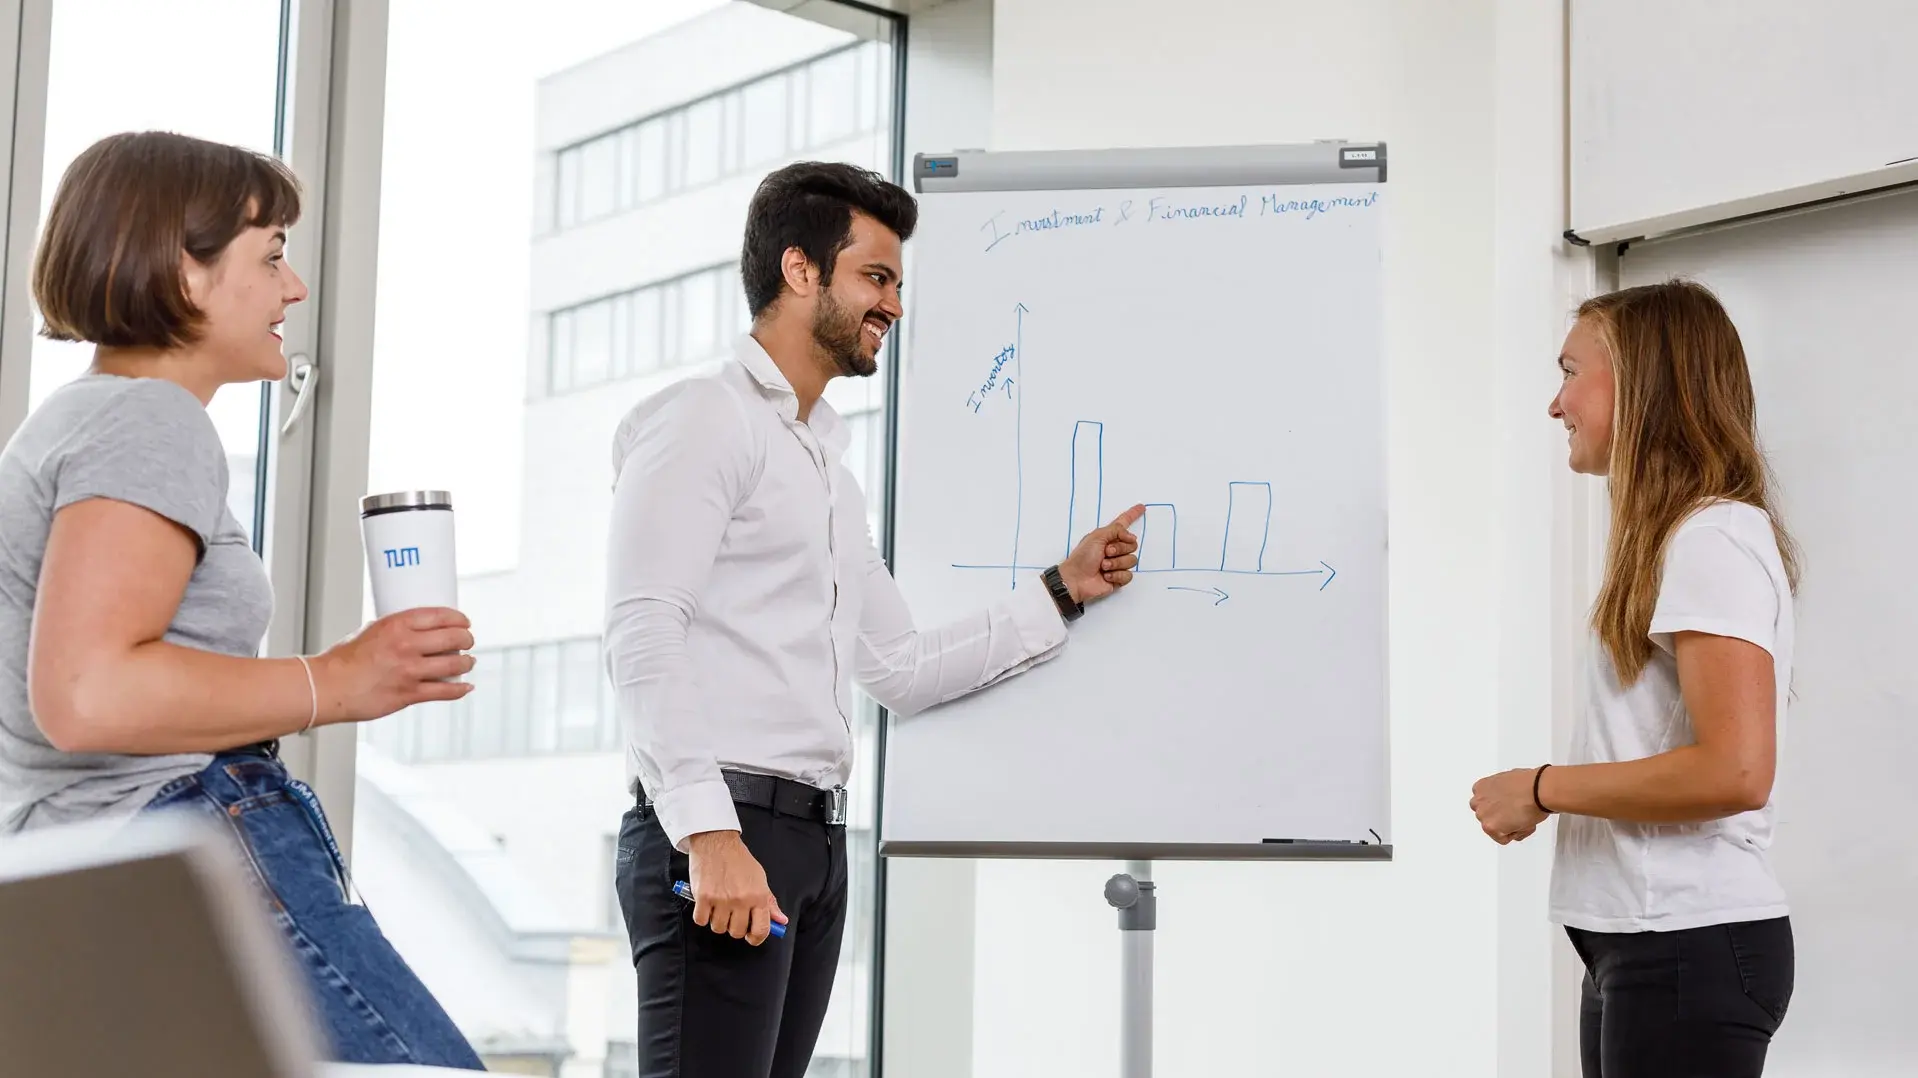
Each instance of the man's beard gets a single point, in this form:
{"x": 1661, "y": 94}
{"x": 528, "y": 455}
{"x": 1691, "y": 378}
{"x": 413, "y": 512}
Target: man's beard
{"x": 840, "y": 334}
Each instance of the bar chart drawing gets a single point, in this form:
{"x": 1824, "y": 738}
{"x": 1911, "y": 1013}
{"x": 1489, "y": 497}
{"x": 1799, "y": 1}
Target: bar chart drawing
{"x": 1242, "y": 548}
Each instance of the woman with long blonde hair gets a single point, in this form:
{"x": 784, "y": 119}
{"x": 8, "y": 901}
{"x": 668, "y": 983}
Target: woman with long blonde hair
{"x": 1661, "y": 875}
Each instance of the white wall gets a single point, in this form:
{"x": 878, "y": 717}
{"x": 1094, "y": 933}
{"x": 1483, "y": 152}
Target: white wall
{"x": 1441, "y": 962}
{"x": 1548, "y": 549}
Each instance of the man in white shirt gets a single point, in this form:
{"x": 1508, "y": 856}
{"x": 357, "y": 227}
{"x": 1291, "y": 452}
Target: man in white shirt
{"x": 744, "y": 595}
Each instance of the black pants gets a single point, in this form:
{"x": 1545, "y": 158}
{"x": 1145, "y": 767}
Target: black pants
{"x": 1699, "y": 1003}
{"x": 711, "y": 1006}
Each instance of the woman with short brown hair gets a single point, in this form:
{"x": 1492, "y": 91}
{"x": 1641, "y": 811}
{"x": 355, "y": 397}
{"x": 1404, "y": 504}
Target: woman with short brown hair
{"x": 132, "y": 604}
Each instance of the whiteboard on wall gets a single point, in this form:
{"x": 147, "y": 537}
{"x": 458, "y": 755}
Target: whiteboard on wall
{"x": 1820, "y": 301}
{"x": 1193, "y": 330}
{"x": 1705, "y": 110}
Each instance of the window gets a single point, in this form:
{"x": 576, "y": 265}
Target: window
{"x": 516, "y": 700}
{"x": 510, "y": 792}
{"x": 699, "y": 310}
{"x": 676, "y": 136}
{"x": 542, "y": 710}
{"x": 705, "y": 129}
{"x": 818, "y": 102}
{"x": 652, "y": 164}
{"x": 874, "y": 88}
{"x": 833, "y": 98}
{"x": 592, "y": 343}
{"x": 579, "y": 696}
{"x": 687, "y": 320}
{"x": 566, "y": 188}
{"x": 528, "y": 700}
{"x": 114, "y": 66}
{"x": 611, "y": 737}
{"x": 622, "y": 336}
{"x": 484, "y": 710}
{"x": 559, "y": 352}
{"x": 732, "y": 134}
{"x": 599, "y": 178}
{"x": 864, "y": 432}
{"x": 766, "y": 119}
{"x": 648, "y": 354}
{"x": 730, "y": 301}
{"x": 629, "y": 161}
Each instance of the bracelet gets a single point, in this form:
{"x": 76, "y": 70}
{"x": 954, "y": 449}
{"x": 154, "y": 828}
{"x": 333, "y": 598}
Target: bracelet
{"x": 313, "y": 692}
{"x": 1536, "y": 803}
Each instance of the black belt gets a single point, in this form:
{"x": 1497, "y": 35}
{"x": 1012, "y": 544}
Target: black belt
{"x": 784, "y": 796}
{"x": 269, "y": 749}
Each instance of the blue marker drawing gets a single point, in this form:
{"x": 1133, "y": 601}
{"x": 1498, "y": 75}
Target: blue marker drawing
{"x": 992, "y": 224}
{"x": 1241, "y": 552}
{"x": 1159, "y": 555}
{"x": 1088, "y": 463}
{"x": 1256, "y": 558}
{"x": 1161, "y": 208}
{"x": 1018, "y": 433}
{"x": 1249, "y": 503}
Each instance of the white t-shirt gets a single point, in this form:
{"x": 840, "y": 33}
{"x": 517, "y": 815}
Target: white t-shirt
{"x": 1723, "y": 576}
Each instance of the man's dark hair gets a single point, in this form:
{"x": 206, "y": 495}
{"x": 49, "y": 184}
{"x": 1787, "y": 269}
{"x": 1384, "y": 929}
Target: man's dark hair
{"x": 809, "y": 205}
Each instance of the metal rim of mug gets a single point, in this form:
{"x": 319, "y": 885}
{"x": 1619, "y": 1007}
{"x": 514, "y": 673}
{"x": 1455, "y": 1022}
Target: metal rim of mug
{"x": 402, "y": 500}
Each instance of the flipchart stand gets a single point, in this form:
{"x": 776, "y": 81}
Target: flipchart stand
{"x": 1132, "y": 893}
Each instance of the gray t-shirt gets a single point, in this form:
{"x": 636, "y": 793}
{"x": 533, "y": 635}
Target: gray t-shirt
{"x": 151, "y": 443}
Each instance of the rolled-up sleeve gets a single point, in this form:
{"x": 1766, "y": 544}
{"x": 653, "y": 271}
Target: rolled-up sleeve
{"x": 683, "y": 459}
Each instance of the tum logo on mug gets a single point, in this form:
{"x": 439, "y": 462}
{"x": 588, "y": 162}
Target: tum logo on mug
{"x": 407, "y": 555}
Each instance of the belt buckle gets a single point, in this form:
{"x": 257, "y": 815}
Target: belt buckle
{"x": 836, "y": 806}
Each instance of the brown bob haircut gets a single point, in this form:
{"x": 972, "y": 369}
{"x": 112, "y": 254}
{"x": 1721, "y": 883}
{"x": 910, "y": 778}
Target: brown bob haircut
{"x": 108, "y": 270}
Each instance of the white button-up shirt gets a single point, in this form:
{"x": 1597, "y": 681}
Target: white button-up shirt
{"x": 744, "y": 594}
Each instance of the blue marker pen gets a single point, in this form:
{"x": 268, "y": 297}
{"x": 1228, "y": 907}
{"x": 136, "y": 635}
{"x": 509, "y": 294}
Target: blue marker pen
{"x": 685, "y": 891}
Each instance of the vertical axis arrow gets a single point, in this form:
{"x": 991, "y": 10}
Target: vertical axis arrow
{"x": 1018, "y": 433}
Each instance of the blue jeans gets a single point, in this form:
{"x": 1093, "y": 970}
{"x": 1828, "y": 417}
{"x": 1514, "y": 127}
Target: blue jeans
{"x": 371, "y": 1006}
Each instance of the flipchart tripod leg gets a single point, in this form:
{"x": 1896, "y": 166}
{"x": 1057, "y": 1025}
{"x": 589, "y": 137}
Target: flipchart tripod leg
{"x": 1132, "y": 893}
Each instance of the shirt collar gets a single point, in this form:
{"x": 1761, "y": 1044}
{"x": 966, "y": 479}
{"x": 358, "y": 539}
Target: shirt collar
{"x": 824, "y": 421}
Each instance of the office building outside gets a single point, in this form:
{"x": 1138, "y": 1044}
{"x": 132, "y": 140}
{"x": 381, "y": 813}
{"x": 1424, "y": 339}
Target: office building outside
{"x": 484, "y": 830}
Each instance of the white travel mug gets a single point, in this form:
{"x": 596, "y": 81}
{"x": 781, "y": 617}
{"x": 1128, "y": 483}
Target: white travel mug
{"x": 409, "y": 550}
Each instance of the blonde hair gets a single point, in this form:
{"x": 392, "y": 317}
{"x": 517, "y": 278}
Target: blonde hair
{"x": 1684, "y": 434}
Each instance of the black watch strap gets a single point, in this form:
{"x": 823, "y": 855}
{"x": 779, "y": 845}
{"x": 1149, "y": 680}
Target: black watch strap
{"x": 1069, "y": 608}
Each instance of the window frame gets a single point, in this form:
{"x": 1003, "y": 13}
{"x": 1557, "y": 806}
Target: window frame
{"x": 321, "y": 48}
{"x": 26, "y": 41}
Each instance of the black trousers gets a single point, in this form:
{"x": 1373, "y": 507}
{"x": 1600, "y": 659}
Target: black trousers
{"x": 1699, "y": 1003}
{"x": 711, "y": 1006}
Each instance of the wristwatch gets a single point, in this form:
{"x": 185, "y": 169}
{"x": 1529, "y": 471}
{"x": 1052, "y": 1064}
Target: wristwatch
{"x": 1069, "y": 608}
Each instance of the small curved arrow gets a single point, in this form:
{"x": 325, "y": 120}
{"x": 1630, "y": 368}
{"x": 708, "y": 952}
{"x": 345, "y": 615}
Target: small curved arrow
{"x": 1222, "y": 596}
